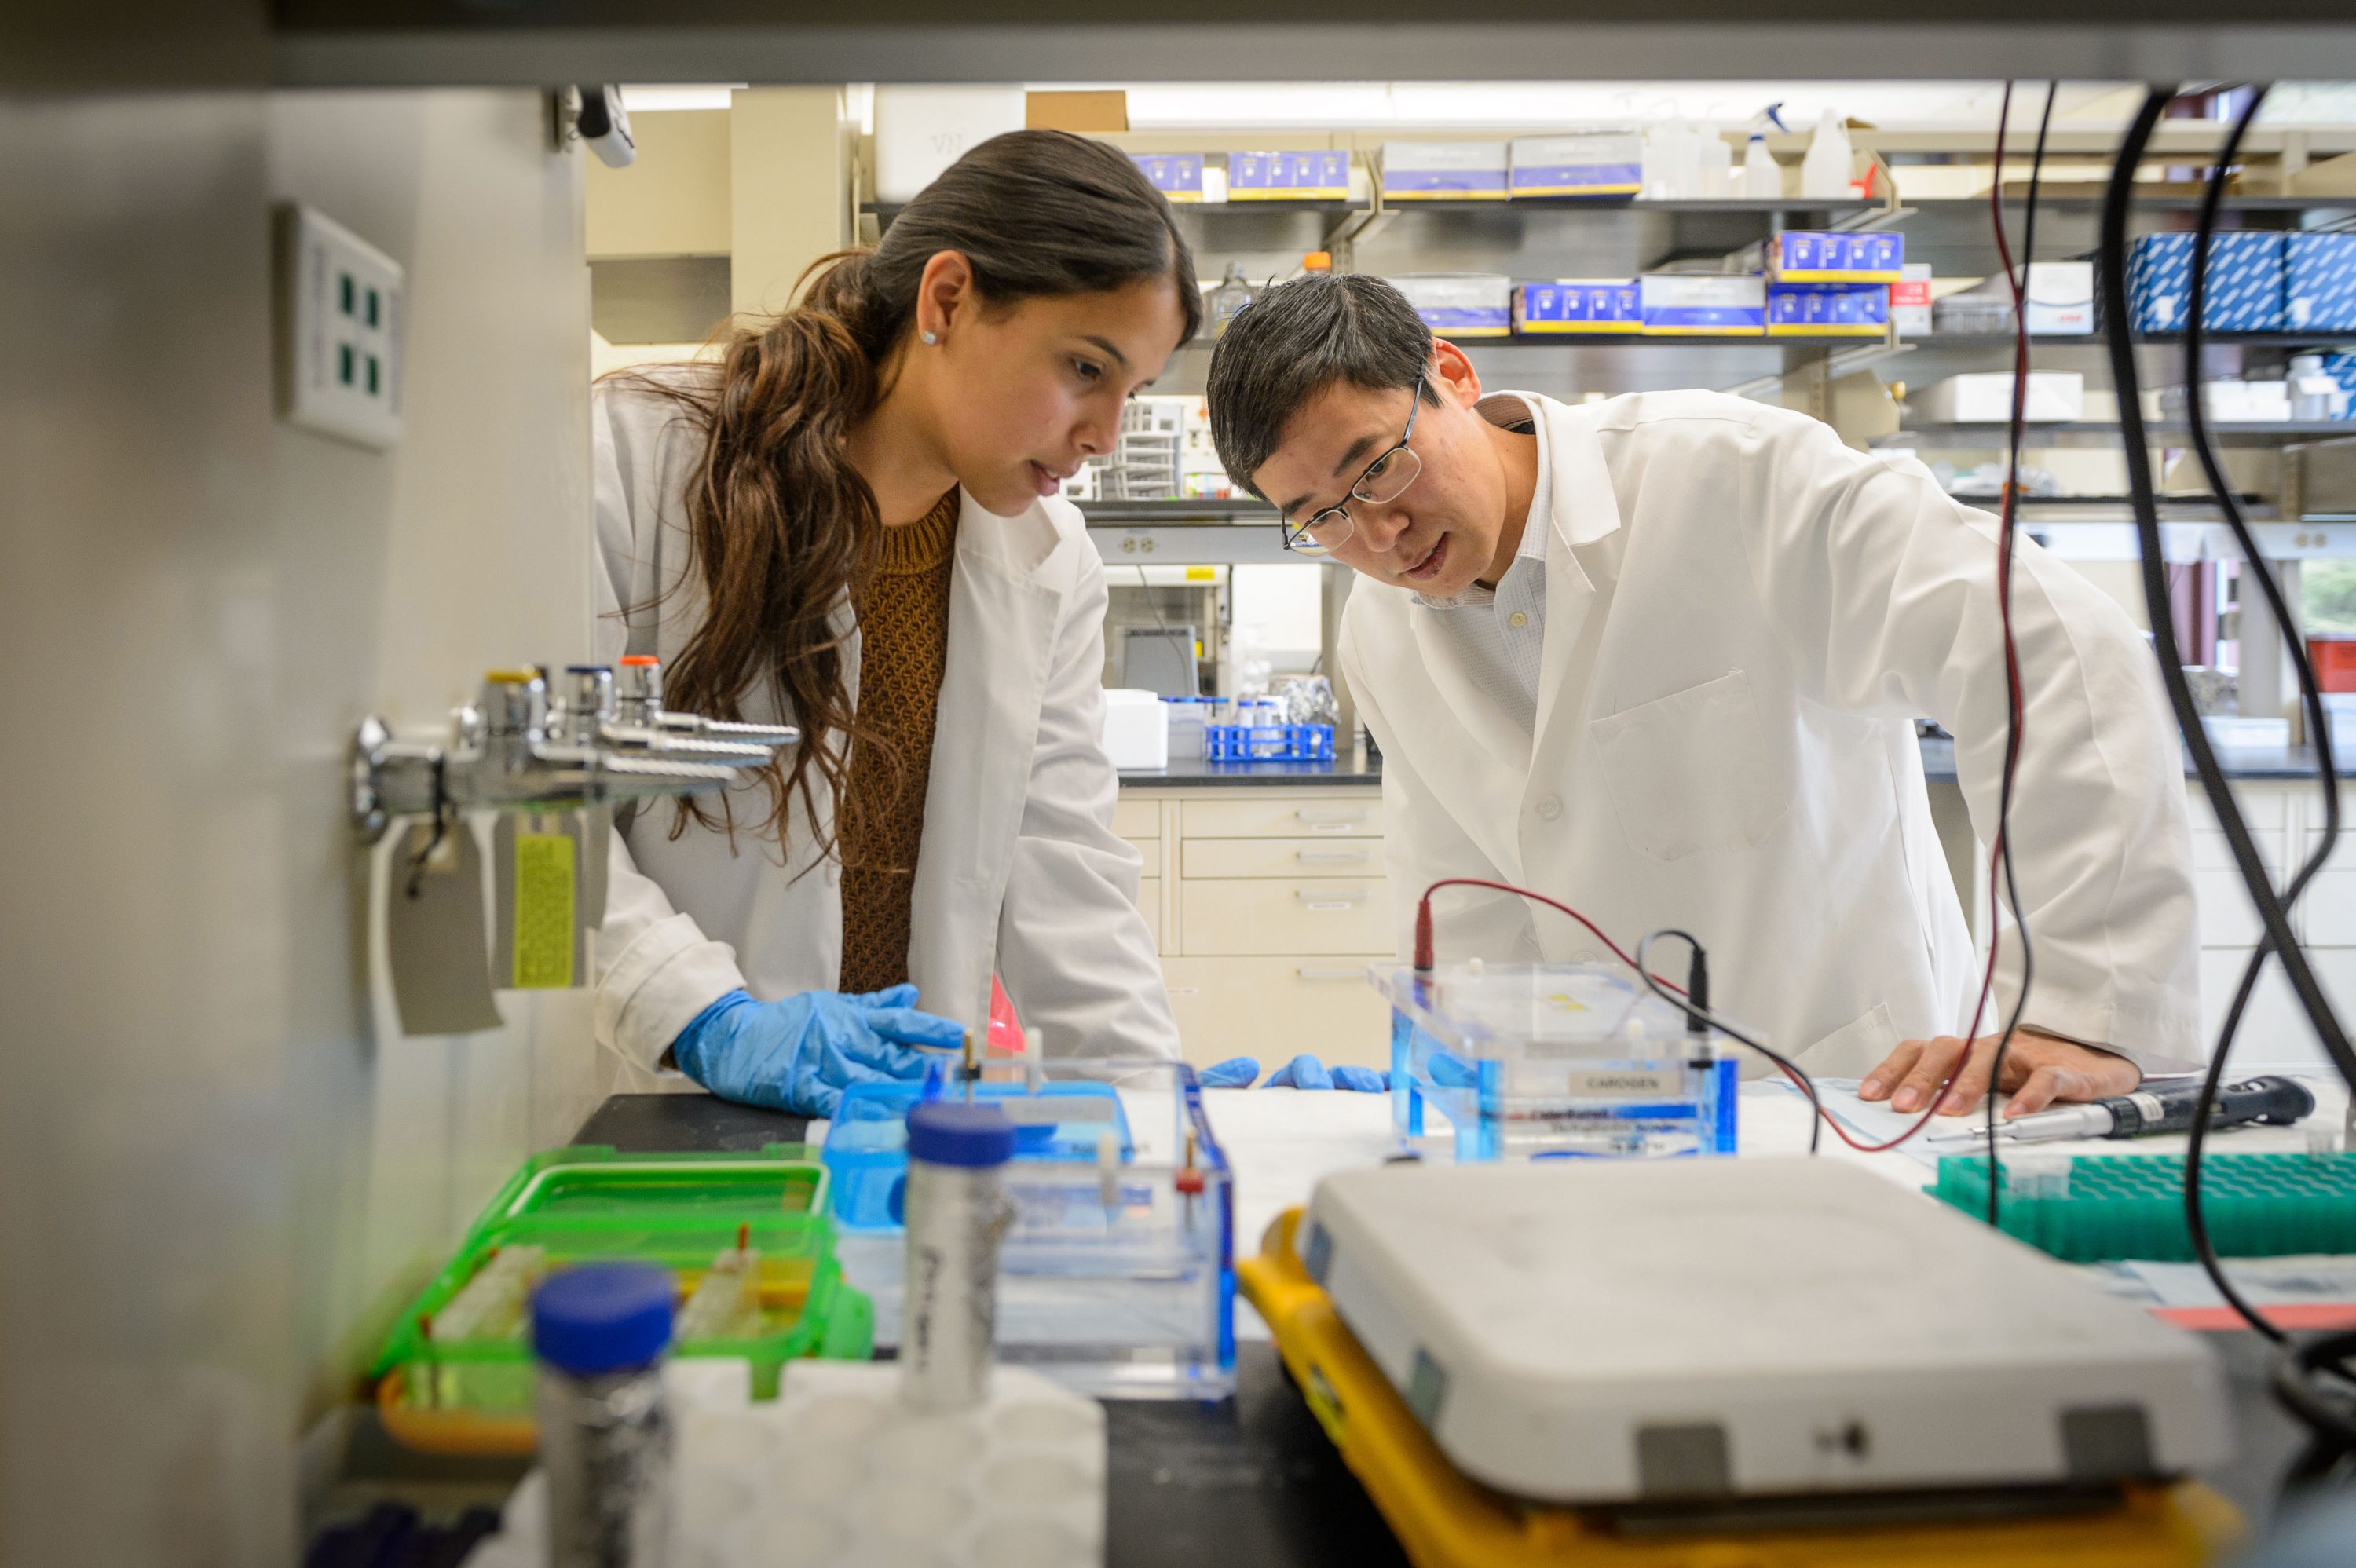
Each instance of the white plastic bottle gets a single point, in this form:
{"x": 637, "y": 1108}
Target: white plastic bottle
{"x": 1824, "y": 173}
{"x": 1714, "y": 157}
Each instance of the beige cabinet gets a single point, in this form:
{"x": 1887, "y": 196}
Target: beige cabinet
{"x": 1269, "y": 903}
{"x": 1275, "y": 1009}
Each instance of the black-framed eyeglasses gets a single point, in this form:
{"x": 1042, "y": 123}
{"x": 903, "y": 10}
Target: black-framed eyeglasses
{"x": 1385, "y": 479}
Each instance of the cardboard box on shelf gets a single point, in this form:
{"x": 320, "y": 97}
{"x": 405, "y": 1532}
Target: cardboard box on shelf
{"x": 1177, "y": 176}
{"x": 2055, "y": 397}
{"x": 1082, "y": 114}
{"x": 1427, "y": 171}
{"x": 1827, "y": 310}
{"x": 920, "y": 131}
{"x": 1288, "y": 176}
{"x": 1460, "y": 304}
{"x": 2244, "y": 284}
{"x": 1909, "y": 300}
{"x": 1589, "y": 163}
{"x": 2320, "y": 283}
{"x": 1576, "y": 306}
{"x": 1802, "y": 256}
{"x": 1704, "y": 304}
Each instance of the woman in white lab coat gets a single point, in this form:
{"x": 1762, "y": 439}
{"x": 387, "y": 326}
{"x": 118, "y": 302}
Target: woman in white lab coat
{"x": 850, "y": 523}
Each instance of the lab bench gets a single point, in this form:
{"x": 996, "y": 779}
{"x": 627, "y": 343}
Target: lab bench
{"x": 1251, "y": 1481}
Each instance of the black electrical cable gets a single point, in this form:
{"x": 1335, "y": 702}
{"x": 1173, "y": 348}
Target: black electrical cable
{"x": 2007, "y": 521}
{"x": 2317, "y": 724}
{"x": 2118, "y": 332}
{"x": 1702, "y": 1015}
{"x": 2298, "y": 1370}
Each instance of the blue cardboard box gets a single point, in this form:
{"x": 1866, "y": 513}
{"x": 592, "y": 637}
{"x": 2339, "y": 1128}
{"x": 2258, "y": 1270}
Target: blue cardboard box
{"x": 2342, "y": 368}
{"x": 1803, "y": 256}
{"x": 1704, "y": 304}
{"x": 1287, "y": 176}
{"x": 1574, "y": 305}
{"x": 1178, "y": 176}
{"x": 1594, "y": 162}
{"x": 2244, "y": 289}
{"x": 2320, "y": 283}
{"x": 1429, "y": 171}
{"x": 1826, "y": 310}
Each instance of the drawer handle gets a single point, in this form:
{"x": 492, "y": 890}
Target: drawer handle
{"x": 1331, "y": 814}
{"x": 1330, "y": 902}
{"x": 1331, "y": 857}
{"x": 1307, "y": 974}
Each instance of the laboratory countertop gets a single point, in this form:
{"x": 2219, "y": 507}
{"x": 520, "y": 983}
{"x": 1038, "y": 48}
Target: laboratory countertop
{"x": 1193, "y": 773}
{"x": 1938, "y": 767}
{"x": 2240, "y": 762}
{"x": 1251, "y": 1481}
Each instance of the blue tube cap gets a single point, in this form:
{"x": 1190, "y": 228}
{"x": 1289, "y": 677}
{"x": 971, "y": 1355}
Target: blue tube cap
{"x": 603, "y": 1318}
{"x": 951, "y": 1132}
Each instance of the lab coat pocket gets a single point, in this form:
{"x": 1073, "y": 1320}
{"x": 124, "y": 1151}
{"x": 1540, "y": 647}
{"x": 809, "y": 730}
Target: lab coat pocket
{"x": 1690, "y": 772}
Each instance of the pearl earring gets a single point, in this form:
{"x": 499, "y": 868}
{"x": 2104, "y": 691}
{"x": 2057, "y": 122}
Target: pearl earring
{"x": 932, "y": 337}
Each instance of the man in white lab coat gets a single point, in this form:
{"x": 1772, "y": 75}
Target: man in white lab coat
{"x": 1661, "y": 657}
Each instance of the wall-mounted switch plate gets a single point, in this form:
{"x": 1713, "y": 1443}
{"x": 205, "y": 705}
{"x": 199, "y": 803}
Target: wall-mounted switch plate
{"x": 339, "y": 310}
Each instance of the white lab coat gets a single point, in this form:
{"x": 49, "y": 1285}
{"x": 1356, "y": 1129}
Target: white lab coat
{"x": 1744, "y": 617}
{"x": 1019, "y": 870}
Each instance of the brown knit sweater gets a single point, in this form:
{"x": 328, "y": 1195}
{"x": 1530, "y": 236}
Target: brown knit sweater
{"x": 903, "y": 646}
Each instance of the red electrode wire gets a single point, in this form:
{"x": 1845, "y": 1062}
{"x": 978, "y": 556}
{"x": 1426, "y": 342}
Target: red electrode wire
{"x": 1423, "y": 944}
{"x": 1425, "y": 960}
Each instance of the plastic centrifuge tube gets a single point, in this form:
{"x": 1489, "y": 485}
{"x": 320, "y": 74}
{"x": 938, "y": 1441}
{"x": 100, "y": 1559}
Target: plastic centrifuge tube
{"x": 491, "y": 1306}
{"x": 726, "y": 1303}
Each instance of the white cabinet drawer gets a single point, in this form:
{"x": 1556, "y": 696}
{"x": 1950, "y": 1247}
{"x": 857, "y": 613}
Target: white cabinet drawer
{"x": 2275, "y": 1030}
{"x": 1134, "y": 818}
{"x": 1242, "y": 815}
{"x": 1149, "y": 851}
{"x": 1281, "y": 856}
{"x": 1243, "y": 917}
{"x": 2226, "y": 917}
{"x": 2215, "y": 852}
{"x": 2264, "y": 803}
{"x": 1276, "y": 1009}
{"x": 2327, "y": 913}
{"x": 1149, "y": 900}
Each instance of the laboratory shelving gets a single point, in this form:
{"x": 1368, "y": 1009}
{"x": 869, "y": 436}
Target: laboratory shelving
{"x": 2235, "y": 432}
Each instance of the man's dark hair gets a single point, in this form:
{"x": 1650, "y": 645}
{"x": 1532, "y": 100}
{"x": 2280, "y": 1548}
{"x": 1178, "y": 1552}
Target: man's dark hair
{"x": 1294, "y": 342}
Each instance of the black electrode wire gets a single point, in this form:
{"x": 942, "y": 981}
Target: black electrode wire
{"x": 1704, "y": 1017}
{"x": 2295, "y": 1378}
{"x": 2015, "y": 704}
{"x": 2203, "y": 1248}
{"x": 2119, "y": 336}
{"x": 2300, "y": 1366}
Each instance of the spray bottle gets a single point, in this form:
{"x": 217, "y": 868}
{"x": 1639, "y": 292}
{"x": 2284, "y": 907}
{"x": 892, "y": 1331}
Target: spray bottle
{"x": 1762, "y": 176}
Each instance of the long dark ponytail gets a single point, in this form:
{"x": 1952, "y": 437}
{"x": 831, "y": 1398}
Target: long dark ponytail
{"x": 783, "y": 525}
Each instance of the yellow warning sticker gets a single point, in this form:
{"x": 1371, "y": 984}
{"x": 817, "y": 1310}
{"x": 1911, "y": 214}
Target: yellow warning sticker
{"x": 543, "y": 911}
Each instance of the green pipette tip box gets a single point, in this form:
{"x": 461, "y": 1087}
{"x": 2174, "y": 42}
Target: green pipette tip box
{"x": 2099, "y": 1207}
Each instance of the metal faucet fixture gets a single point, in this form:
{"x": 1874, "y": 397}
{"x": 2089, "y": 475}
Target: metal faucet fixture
{"x": 509, "y": 752}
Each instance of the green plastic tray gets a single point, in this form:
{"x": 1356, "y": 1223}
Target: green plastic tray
{"x": 592, "y": 1180}
{"x": 807, "y": 1308}
{"x": 2132, "y": 1206}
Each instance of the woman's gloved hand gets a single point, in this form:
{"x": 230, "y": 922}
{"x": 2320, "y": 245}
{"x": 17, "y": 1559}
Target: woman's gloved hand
{"x": 1306, "y": 1072}
{"x": 1235, "y": 1072}
{"x": 798, "y": 1054}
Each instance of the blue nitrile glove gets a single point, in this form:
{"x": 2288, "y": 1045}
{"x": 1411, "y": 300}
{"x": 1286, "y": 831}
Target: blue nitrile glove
{"x": 1306, "y": 1072}
{"x": 1235, "y": 1072}
{"x": 1453, "y": 1071}
{"x": 798, "y": 1054}
{"x": 1303, "y": 1072}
